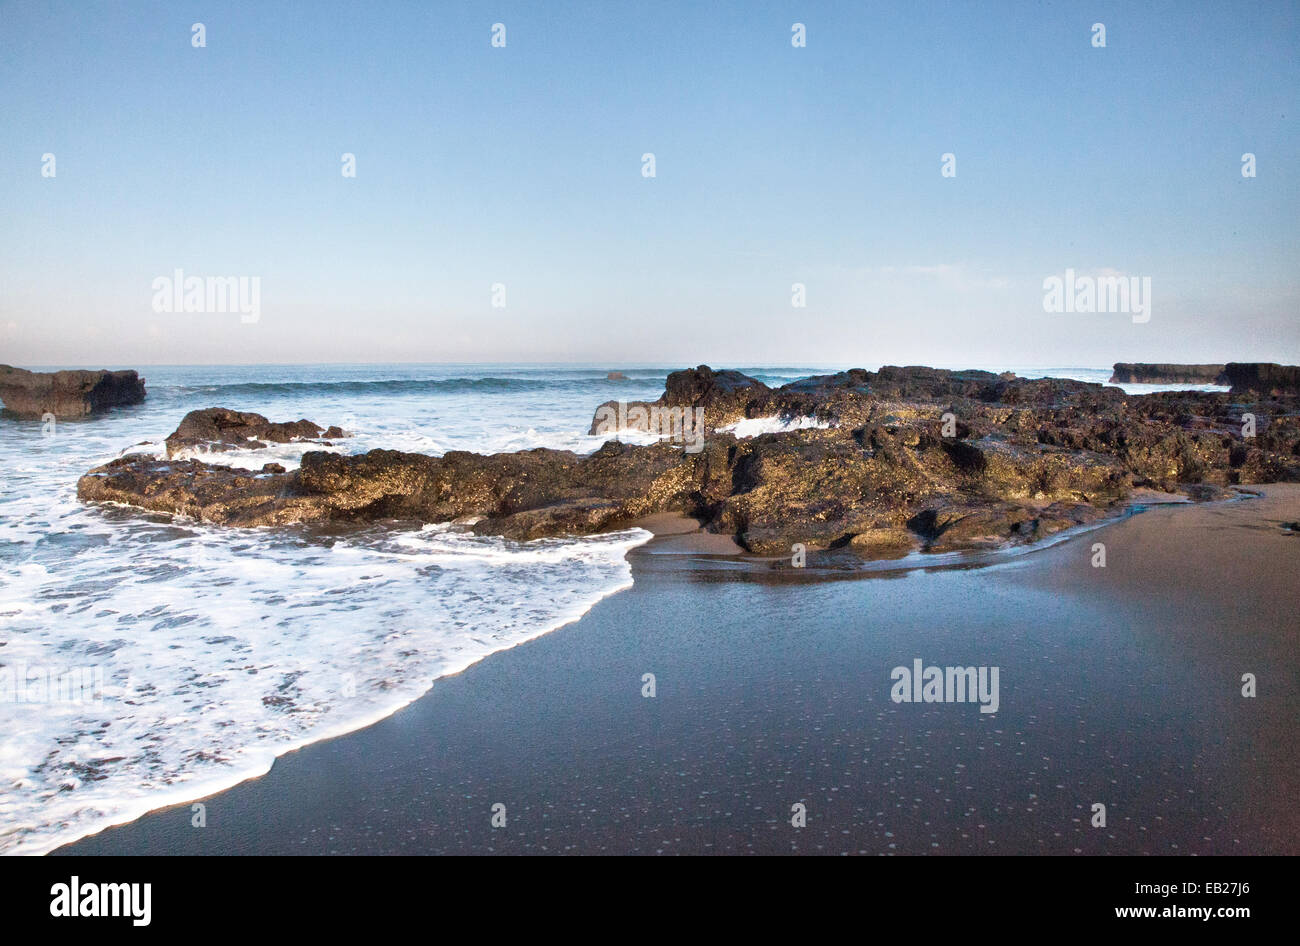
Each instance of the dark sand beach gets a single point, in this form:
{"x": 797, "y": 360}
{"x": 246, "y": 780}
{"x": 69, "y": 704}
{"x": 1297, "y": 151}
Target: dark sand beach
{"x": 1118, "y": 685}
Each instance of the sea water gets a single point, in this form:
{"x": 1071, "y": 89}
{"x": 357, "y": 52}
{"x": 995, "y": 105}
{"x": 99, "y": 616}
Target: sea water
{"x": 212, "y": 651}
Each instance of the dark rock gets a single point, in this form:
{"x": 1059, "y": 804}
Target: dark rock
{"x": 965, "y": 525}
{"x": 1205, "y": 492}
{"x": 616, "y": 376}
{"x": 199, "y": 491}
{"x": 722, "y": 396}
{"x": 966, "y": 457}
{"x": 703, "y": 387}
{"x": 520, "y": 495}
{"x": 1262, "y": 378}
{"x": 1139, "y": 373}
{"x": 1032, "y": 457}
{"x": 849, "y": 398}
{"x": 215, "y": 429}
{"x": 822, "y": 385}
{"x": 67, "y": 395}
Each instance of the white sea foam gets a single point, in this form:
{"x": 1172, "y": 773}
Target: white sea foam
{"x": 288, "y": 455}
{"x": 507, "y": 439}
{"x": 1157, "y": 388}
{"x": 221, "y": 649}
{"x": 754, "y": 426}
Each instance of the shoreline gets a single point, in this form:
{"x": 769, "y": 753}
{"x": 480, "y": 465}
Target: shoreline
{"x": 265, "y": 760}
{"x": 668, "y": 533}
{"x": 670, "y": 579}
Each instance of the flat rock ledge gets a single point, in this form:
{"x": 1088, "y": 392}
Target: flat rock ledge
{"x": 68, "y": 395}
{"x": 910, "y": 459}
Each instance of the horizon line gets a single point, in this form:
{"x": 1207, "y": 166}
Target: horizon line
{"x": 602, "y": 365}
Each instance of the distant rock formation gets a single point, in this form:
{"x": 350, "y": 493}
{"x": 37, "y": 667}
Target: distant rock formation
{"x": 616, "y": 376}
{"x": 910, "y": 458}
{"x": 68, "y": 395}
{"x": 1130, "y": 373}
{"x": 1262, "y": 378}
{"x": 1243, "y": 377}
{"x": 218, "y": 428}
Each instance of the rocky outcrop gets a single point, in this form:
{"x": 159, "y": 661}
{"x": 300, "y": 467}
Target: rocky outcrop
{"x": 1137, "y": 373}
{"x": 523, "y": 495}
{"x": 1262, "y": 378}
{"x": 911, "y": 459}
{"x": 68, "y": 395}
{"x": 215, "y": 429}
{"x": 846, "y": 399}
{"x": 722, "y": 396}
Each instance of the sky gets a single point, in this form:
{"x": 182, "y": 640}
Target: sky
{"x": 521, "y": 166}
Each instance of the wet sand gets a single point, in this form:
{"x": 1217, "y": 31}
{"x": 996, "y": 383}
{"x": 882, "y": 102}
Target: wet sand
{"x": 1118, "y": 685}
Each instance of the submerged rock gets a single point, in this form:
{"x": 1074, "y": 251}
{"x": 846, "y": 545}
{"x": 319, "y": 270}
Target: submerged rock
{"x": 68, "y": 395}
{"x": 908, "y": 459}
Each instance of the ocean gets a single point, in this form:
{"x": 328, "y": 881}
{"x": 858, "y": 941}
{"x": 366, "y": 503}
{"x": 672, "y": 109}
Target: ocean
{"x": 214, "y": 651}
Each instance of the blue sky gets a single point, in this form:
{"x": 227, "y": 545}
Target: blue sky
{"x": 774, "y": 165}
